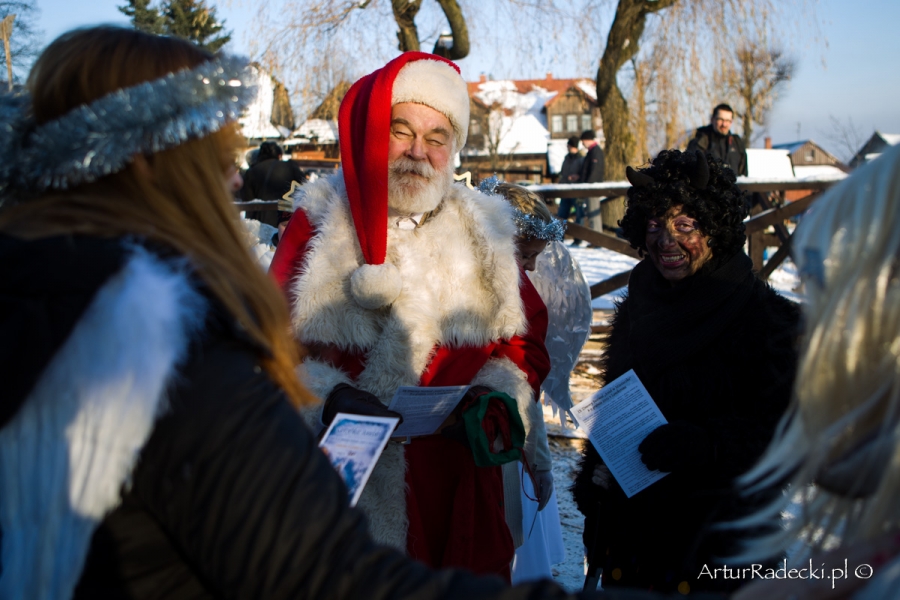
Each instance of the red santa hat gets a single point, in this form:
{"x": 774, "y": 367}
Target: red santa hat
{"x": 364, "y": 125}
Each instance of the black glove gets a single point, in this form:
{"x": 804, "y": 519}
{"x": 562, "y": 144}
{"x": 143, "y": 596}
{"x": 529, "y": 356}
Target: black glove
{"x": 348, "y": 399}
{"x": 677, "y": 446}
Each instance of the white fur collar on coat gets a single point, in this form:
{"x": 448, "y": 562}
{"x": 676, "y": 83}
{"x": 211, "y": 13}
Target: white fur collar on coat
{"x": 66, "y": 454}
{"x": 460, "y": 286}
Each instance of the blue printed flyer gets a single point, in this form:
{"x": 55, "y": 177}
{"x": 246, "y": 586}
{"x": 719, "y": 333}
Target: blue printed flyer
{"x": 353, "y": 444}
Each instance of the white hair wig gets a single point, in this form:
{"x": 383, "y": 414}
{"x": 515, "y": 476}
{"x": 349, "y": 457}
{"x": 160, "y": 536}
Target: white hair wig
{"x": 838, "y": 446}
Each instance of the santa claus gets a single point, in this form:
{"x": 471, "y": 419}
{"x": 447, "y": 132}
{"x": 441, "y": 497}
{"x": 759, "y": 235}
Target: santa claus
{"x": 397, "y": 276}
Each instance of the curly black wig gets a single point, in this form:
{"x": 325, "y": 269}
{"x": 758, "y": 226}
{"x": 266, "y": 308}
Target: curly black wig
{"x": 719, "y": 206}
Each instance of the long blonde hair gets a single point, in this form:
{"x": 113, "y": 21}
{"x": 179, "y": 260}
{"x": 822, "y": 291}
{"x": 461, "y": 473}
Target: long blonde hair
{"x": 177, "y": 197}
{"x": 847, "y": 391}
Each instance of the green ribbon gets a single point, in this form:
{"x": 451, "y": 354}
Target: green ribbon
{"x": 473, "y": 416}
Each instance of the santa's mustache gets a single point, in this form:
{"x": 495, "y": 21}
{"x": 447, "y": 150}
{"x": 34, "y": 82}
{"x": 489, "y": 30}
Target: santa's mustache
{"x": 406, "y": 166}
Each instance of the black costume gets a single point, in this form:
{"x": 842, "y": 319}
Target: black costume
{"x": 727, "y": 148}
{"x": 270, "y": 179}
{"x": 229, "y": 497}
{"x": 717, "y": 354}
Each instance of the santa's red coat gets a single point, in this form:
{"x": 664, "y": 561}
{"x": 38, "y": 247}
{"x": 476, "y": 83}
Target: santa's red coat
{"x": 455, "y": 509}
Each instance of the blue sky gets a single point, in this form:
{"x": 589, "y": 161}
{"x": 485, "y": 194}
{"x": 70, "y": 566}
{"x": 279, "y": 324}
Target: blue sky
{"x": 855, "y": 77}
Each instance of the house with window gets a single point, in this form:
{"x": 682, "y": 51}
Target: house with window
{"x": 518, "y": 128}
{"x": 808, "y": 160}
{"x": 873, "y": 148}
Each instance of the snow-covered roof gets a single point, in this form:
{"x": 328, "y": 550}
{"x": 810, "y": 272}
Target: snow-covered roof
{"x": 818, "y": 172}
{"x": 522, "y": 123}
{"x": 589, "y": 87}
{"x": 769, "y": 164}
{"x": 891, "y": 138}
{"x": 520, "y": 127}
{"x": 791, "y": 147}
{"x": 256, "y": 121}
{"x": 324, "y": 132}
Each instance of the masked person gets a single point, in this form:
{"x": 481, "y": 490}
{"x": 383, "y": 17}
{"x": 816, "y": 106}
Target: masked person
{"x": 715, "y": 348}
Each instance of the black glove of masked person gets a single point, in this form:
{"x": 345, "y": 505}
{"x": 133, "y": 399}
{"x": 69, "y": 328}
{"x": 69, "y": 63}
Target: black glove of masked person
{"x": 345, "y": 398}
{"x": 676, "y": 446}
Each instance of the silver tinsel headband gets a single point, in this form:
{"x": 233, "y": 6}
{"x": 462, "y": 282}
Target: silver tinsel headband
{"x": 528, "y": 226}
{"x": 100, "y": 138}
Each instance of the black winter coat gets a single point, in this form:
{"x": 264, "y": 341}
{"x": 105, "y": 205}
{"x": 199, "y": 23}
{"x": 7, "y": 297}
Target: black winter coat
{"x": 594, "y": 166}
{"x": 570, "y": 171}
{"x": 717, "y": 352}
{"x": 727, "y": 148}
{"x": 231, "y": 497}
{"x": 270, "y": 179}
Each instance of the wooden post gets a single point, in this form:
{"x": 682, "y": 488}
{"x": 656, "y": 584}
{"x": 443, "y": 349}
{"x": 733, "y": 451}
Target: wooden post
{"x": 594, "y": 215}
{"x": 6, "y": 26}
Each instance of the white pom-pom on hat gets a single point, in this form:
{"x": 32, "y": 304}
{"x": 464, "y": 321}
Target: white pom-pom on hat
{"x": 375, "y": 286}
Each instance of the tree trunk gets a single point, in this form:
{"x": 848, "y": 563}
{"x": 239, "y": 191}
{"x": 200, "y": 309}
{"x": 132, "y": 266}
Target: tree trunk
{"x": 613, "y": 211}
{"x": 460, "y": 47}
{"x": 621, "y": 46}
{"x": 405, "y": 15}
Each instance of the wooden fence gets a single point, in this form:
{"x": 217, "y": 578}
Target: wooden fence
{"x": 757, "y": 224}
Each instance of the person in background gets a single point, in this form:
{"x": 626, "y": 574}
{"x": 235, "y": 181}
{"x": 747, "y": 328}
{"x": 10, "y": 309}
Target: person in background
{"x": 270, "y": 178}
{"x": 593, "y": 170}
{"x": 570, "y": 172}
{"x": 717, "y": 140}
{"x": 150, "y": 440}
{"x": 838, "y": 446}
{"x": 715, "y": 348}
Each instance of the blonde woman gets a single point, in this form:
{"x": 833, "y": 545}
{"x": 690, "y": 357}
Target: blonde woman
{"x": 150, "y": 444}
{"x": 839, "y": 445}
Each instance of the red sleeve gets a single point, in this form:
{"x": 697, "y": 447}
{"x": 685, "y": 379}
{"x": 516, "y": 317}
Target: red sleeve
{"x": 528, "y": 351}
{"x": 291, "y": 251}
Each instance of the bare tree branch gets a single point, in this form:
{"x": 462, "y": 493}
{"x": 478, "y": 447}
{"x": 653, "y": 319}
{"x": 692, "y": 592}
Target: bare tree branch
{"x": 846, "y": 136}
{"x": 621, "y": 45}
{"x": 459, "y": 30}
{"x": 405, "y": 12}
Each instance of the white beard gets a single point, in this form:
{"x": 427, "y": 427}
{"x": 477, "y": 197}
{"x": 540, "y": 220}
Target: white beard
{"x": 416, "y": 187}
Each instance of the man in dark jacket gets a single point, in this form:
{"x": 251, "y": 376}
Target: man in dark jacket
{"x": 570, "y": 172}
{"x": 592, "y": 171}
{"x": 717, "y": 140}
{"x": 269, "y": 178}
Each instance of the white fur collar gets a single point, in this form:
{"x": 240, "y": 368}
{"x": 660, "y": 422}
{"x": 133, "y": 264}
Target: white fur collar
{"x": 74, "y": 442}
{"x": 460, "y": 283}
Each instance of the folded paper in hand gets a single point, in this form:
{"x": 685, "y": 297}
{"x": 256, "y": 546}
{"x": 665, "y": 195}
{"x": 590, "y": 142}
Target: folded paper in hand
{"x": 617, "y": 419}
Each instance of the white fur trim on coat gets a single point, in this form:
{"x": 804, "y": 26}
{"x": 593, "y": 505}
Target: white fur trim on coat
{"x": 375, "y": 286}
{"x": 436, "y": 85}
{"x": 66, "y": 453}
{"x": 460, "y": 287}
